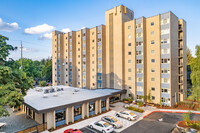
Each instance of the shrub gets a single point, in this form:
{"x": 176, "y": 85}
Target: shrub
{"x": 85, "y": 116}
{"x": 128, "y": 99}
{"x": 43, "y": 83}
{"x": 140, "y": 103}
{"x": 186, "y": 118}
{"x": 135, "y": 109}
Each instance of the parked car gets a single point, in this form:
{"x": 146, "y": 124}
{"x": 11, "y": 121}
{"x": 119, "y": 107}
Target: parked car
{"x": 102, "y": 126}
{"x": 127, "y": 115}
{"x": 72, "y": 131}
{"x": 112, "y": 121}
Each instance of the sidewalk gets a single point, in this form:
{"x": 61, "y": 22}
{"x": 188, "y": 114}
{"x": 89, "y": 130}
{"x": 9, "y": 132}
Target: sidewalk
{"x": 117, "y": 107}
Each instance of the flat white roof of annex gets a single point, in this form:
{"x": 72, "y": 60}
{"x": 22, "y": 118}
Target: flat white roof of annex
{"x": 36, "y": 100}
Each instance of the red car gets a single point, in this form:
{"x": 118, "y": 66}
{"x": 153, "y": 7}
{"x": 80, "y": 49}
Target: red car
{"x": 72, "y": 131}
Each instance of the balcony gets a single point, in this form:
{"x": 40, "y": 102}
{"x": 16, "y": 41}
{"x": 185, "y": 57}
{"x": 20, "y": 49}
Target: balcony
{"x": 180, "y": 55}
{"x": 180, "y": 38}
{"x": 180, "y": 64}
{"x": 181, "y": 81}
{"x": 180, "y": 73}
{"x": 180, "y": 46}
{"x": 180, "y": 28}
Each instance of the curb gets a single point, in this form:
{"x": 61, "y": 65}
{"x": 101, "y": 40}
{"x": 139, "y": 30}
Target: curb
{"x": 168, "y": 112}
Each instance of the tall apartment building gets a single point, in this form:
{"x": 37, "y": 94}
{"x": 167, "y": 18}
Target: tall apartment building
{"x": 145, "y": 56}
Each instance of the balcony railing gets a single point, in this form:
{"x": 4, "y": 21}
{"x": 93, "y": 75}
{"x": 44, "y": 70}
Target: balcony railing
{"x": 180, "y": 81}
{"x": 180, "y": 46}
{"x": 180, "y": 38}
{"x": 180, "y": 28}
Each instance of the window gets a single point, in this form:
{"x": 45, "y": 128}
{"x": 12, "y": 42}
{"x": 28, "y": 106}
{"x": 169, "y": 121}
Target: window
{"x": 129, "y": 70}
{"x": 153, "y": 88}
{"x": 66, "y": 69}
{"x": 129, "y": 44}
{"x": 152, "y": 33}
{"x": 165, "y": 70}
{"x": 78, "y": 69}
{"x": 165, "y": 60}
{"x": 152, "y": 23}
{"x": 78, "y": 42}
{"x": 139, "y": 53}
{"x": 79, "y": 62}
{"x": 129, "y": 36}
{"x": 92, "y": 33}
{"x": 165, "y": 100}
{"x": 92, "y": 107}
{"x": 139, "y": 43}
{"x": 78, "y": 49}
{"x": 129, "y": 53}
{"x": 164, "y": 21}
{"x": 60, "y": 116}
{"x": 92, "y": 55}
{"x": 79, "y": 56}
{"x": 165, "y": 90}
{"x": 78, "y": 35}
{"x": 138, "y": 26}
{"x": 164, "y": 41}
{"x": 139, "y": 88}
{"x": 130, "y": 87}
{"x": 152, "y": 51}
{"x": 92, "y": 40}
{"x": 165, "y": 31}
{"x": 77, "y": 111}
{"x": 152, "y": 42}
{"x": 152, "y": 60}
{"x": 139, "y": 70}
{"x": 152, "y": 79}
{"x": 103, "y": 104}
{"x": 152, "y": 70}
{"x": 165, "y": 80}
{"x": 129, "y": 27}
{"x": 129, "y": 61}
{"x": 139, "y": 35}
{"x": 129, "y": 78}
{"x": 139, "y": 79}
{"x": 92, "y": 62}
{"x": 164, "y": 51}
{"x": 139, "y": 61}
{"x": 153, "y": 97}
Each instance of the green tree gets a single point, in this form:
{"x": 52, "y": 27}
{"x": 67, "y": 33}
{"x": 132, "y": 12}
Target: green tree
{"x": 189, "y": 56}
{"x": 5, "y": 49}
{"x": 13, "y": 86}
{"x": 47, "y": 70}
{"x": 43, "y": 83}
{"x": 30, "y": 67}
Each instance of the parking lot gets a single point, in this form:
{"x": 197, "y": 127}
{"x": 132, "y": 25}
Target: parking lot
{"x": 150, "y": 124}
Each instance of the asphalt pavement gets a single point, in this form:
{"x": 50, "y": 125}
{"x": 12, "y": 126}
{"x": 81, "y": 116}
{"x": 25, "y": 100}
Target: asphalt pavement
{"x": 151, "y": 123}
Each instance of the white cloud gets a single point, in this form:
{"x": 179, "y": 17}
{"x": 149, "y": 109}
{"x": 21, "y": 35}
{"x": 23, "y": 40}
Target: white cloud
{"x": 65, "y": 30}
{"x": 28, "y": 49}
{"x": 39, "y": 29}
{"x": 46, "y": 36}
{"x": 83, "y": 28}
{"x": 8, "y": 27}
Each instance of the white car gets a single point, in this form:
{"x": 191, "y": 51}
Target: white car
{"x": 102, "y": 126}
{"x": 127, "y": 115}
{"x": 112, "y": 121}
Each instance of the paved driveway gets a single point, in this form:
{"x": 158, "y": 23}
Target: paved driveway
{"x": 150, "y": 124}
{"x": 16, "y": 122}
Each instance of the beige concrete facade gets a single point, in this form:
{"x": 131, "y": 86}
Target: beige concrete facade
{"x": 145, "y": 56}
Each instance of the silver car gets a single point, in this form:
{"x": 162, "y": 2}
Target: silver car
{"x": 112, "y": 121}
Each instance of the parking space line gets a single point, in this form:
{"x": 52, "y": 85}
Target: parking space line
{"x": 90, "y": 129}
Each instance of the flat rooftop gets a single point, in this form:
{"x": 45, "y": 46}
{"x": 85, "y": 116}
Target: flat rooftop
{"x": 40, "y": 102}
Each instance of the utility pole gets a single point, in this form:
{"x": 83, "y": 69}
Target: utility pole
{"x": 21, "y": 56}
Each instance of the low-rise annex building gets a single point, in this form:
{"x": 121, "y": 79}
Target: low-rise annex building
{"x": 60, "y": 105}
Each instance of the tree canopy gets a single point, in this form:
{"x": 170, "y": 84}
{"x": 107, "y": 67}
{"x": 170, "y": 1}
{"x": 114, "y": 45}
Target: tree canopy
{"x": 189, "y": 56}
{"x": 5, "y": 49}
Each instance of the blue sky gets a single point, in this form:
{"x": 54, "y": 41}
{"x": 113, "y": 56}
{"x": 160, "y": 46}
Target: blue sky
{"x": 19, "y": 18}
